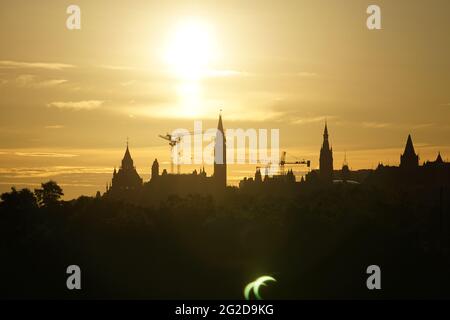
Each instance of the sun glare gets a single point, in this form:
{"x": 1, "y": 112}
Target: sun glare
{"x": 190, "y": 50}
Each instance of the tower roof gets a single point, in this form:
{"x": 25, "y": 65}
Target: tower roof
{"x": 439, "y": 158}
{"x": 409, "y": 148}
{"x": 326, "y": 145}
{"x": 127, "y": 155}
{"x": 127, "y": 161}
{"x": 220, "y": 125}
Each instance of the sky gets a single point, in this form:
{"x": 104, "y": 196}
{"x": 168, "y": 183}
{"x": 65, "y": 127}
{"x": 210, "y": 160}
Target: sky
{"x": 70, "y": 98}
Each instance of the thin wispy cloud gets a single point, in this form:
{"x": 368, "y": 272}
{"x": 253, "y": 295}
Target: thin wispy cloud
{"x": 117, "y": 68}
{"x": 300, "y": 74}
{"x": 422, "y": 125}
{"x": 57, "y": 126}
{"x": 25, "y": 79}
{"x": 375, "y": 125}
{"x": 77, "y": 105}
{"x": 381, "y": 125}
{"x": 305, "y": 120}
{"x": 50, "y": 83}
{"x": 31, "y": 81}
{"x": 45, "y": 154}
{"x": 51, "y": 171}
{"x": 8, "y": 64}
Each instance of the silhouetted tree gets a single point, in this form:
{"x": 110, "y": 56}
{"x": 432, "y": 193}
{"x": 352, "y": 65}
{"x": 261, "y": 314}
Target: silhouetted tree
{"x": 49, "y": 195}
{"x": 18, "y": 200}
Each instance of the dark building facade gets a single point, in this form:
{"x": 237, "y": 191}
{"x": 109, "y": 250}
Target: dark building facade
{"x": 410, "y": 173}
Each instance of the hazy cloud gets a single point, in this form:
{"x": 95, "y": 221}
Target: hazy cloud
{"x": 30, "y": 81}
{"x": 50, "y": 83}
{"x": 78, "y": 105}
{"x": 45, "y": 154}
{"x": 34, "y": 65}
{"x": 25, "y": 79}
{"x": 46, "y": 172}
{"x": 422, "y": 125}
{"x": 301, "y": 74}
{"x": 54, "y": 127}
{"x": 117, "y": 68}
{"x": 375, "y": 125}
{"x": 305, "y": 120}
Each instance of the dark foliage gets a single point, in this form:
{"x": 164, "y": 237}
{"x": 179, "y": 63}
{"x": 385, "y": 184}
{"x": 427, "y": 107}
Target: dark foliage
{"x": 316, "y": 242}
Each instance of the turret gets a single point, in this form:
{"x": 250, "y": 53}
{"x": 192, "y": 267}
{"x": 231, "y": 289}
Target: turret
{"x": 155, "y": 169}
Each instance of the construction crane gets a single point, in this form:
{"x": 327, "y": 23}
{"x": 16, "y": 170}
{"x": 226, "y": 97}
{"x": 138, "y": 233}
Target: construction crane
{"x": 283, "y": 162}
{"x": 173, "y": 141}
{"x": 267, "y": 165}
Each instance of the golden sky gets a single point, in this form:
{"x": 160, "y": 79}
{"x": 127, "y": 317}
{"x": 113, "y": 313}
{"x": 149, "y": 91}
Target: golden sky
{"x": 69, "y": 98}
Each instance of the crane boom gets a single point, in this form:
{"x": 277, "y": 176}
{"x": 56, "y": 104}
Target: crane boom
{"x": 173, "y": 141}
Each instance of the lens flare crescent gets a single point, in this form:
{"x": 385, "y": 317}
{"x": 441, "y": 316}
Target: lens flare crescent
{"x": 255, "y": 285}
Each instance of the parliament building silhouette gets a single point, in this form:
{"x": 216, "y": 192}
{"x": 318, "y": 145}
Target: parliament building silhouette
{"x": 127, "y": 185}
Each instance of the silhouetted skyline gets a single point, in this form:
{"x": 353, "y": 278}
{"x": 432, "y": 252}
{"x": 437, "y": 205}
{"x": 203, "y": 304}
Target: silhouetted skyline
{"x": 71, "y": 97}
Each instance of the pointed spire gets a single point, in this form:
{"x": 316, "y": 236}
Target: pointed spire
{"x": 409, "y": 158}
{"x": 220, "y": 156}
{"x": 409, "y": 148}
{"x": 220, "y": 125}
{"x": 127, "y": 161}
{"x": 439, "y": 158}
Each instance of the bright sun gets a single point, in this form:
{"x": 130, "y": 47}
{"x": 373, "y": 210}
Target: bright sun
{"x": 190, "y": 50}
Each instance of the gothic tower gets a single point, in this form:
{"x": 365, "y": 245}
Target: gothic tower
{"x": 155, "y": 169}
{"x": 127, "y": 161}
{"x": 326, "y": 158}
{"x": 126, "y": 179}
{"x": 220, "y": 156}
{"x": 409, "y": 159}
